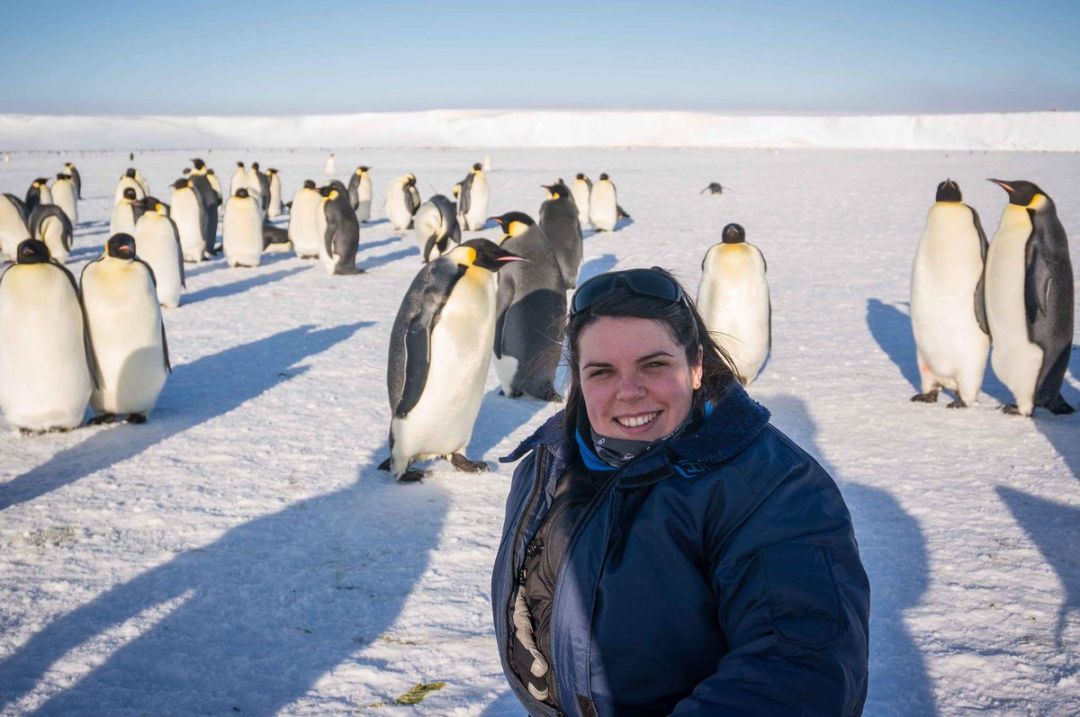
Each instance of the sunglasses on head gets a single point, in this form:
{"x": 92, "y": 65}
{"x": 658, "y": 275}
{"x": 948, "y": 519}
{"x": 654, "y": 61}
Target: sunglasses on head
{"x": 654, "y": 283}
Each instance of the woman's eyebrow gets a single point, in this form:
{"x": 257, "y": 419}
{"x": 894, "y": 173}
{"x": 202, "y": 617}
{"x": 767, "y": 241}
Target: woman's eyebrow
{"x": 647, "y": 357}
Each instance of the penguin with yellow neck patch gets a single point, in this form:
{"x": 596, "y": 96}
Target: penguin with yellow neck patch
{"x": 530, "y": 312}
{"x": 440, "y": 351}
{"x": 76, "y": 178}
{"x": 158, "y": 241}
{"x": 1029, "y": 300}
{"x": 360, "y": 193}
{"x": 341, "y": 231}
{"x": 475, "y": 194}
{"x": 38, "y": 193}
{"x": 436, "y": 227}
{"x": 559, "y": 220}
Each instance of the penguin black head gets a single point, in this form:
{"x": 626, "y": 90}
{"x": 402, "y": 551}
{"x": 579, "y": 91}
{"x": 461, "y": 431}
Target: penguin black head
{"x": 130, "y": 173}
{"x": 579, "y": 175}
{"x": 309, "y": 184}
{"x": 271, "y": 170}
{"x": 129, "y": 193}
{"x": 477, "y": 167}
{"x": 209, "y": 171}
{"x": 733, "y": 234}
{"x": 514, "y": 223}
{"x": 410, "y": 180}
{"x": 241, "y": 192}
{"x": 1021, "y": 192}
{"x": 948, "y": 191}
{"x": 61, "y": 175}
{"x": 32, "y": 251}
{"x": 187, "y": 171}
{"x": 362, "y": 168}
{"x": 603, "y": 176}
{"x": 121, "y": 246}
{"x": 557, "y": 190}
{"x": 325, "y": 191}
{"x": 199, "y": 164}
{"x": 240, "y": 165}
{"x": 41, "y": 181}
{"x": 180, "y": 183}
{"x": 255, "y": 166}
{"x": 485, "y": 254}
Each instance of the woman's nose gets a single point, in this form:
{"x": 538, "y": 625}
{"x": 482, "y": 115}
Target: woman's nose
{"x": 630, "y": 388}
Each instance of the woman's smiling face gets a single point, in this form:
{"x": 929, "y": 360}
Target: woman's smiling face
{"x": 635, "y": 378}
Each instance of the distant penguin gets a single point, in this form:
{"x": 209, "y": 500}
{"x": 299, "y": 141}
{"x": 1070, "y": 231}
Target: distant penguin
{"x": 1029, "y": 300}
{"x": 239, "y": 178}
{"x": 341, "y": 235}
{"x": 125, "y": 213}
{"x": 733, "y": 299}
{"x": 38, "y": 193}
{"x": 274, "y": 209}
{"x": 581, "y": 190}
{"x": 128, "y": 181}
{"x": 401, "y": 203}
{"x": 474, "y": 199}
{"x": 436, "y": 227}
{"x": 13, "y": 227}
{"x": 76, "y": 178}
{"x": 360, "y": 193}
{"x": 63, "y": 194}
{"x": 440, "y": 352}
{"x": 714, "y": 188}
{"x": 46, "y": 373}
{"x": 530, "y": 312}
{"x": 126, "y": 332}
{"x": 259, "y": 183}
{"x": 559, "y": 220}
{"x": 49, "y": 223}
{"x": 948, "y": 310}
{"x": 603, "y": 205}
{"x": 142, "y": 182}
{"x": 158, "y": 242}
{"x": 487, "y": 163}
{"x": 210, "y": 200}
{"x": 331, "y": 166}
{"x": 242, "y": 235}
{"x": 186, "y": 209}
{"x": 304, "y": 231}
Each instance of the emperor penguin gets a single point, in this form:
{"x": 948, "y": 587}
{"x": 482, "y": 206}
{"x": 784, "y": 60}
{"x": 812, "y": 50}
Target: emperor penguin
{"x": 126, "y": 332}
{"x": 13, "y": 227}
{"x": 436, "y": 226}
{"x": 402, "y": 201}
{"x": 210, "y": 200}
{"x": 530, "y": 312}
{"x": 559, "y": 220}
{"x": 259, "y": 183}
{"x": 473, "y": 202}
{"x": 239, "y": 178}
{"x": 581, "y": 191}
{"x": 242, "y": 233}
{"x": 215, "y": 184}
{"x": 125, "y": 213}
{"x": 63, "y": 194}
{"x": 360, "y": 193}
{"x": 714, "y": 188}
{"x": 440, "y": 352}
{"x": 274, "y": 209}
{"x": 38, "y": 193}
{"x": 341, "y": 235}
{"x": 603, "y": 205}
{"x": 304, "y": 228}
{"x": 127, "y": 181}
{"x": 158, "y": 243}
{"x": 331, "y": 166}
{"x": 733, "y": 299}
{"x": 1029, "y": 300}
{"x": 142, "y": 182}
{"x": 76, "y": 178}
{"x": 948, "y": 310}
{"x": 186, "y": 209}
{"x": 49, "y": 223}
{"x": 46, "y": 363}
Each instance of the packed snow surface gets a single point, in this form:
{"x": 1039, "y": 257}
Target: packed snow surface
{"x": 240, "y": 554}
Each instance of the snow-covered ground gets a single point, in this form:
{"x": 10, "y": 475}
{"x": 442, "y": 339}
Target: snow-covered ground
{"x": 240, "y": 553}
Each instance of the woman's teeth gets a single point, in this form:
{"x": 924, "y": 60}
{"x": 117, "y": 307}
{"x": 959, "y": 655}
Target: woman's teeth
{"x": 635, "y": 421}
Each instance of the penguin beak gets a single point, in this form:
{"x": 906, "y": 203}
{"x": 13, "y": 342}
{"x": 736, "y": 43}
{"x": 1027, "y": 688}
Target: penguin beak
{"x": 1003, "y": 185}
{"x": 511, "y": 257}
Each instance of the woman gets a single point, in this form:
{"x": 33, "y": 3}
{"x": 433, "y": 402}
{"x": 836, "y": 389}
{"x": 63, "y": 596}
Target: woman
{"x": 666, "y": 550}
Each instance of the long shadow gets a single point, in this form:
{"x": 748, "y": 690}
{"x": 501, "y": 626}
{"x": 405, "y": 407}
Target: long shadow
{"x": 1053, "y": 528}
{"x": 81, "y": 251}
{"x": 499, "y": 417}
{"x": 254, "y": 619}
{"x": 218, "y": 292}
{"x": 375, "y": 244}
{"x": 596, "y": 265}
{"x": 894, "y": 554}
{"x": 505, "y": 705}
{"x": 1063, "y": 432}
{"x": 204, "y": 267}
{"x": 374, "y": 222}
{"x": 194, "y": 393}
{"x": 387, "y": 258}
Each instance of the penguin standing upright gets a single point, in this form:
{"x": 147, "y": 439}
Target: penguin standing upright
{"x": 733, "y": 299}
{"x": 530, "y": 311}
{"x": 242, "y": 233}
{"x": 436, "y": 226}
{"x": 559, "y": 220}
{"x": 440, "y": 351}
{"x": 582, "y": 190}
{"x": 76, "y": 178}
{"x": 127, "y": 181}
{"x": 402, "y": 201}
{"x": 186, "y": 209}
{"x": 1029, "y": 300}
{"x": 603, "y": 205}
{"x": 948, "y": 311}
{"x": 239, "y": 178}
{"x": 158, "y": 243}
{"x": 63, "y": 194}
{"x": 360, "y": 193}
{"x": 126, "y": 332}
{"x": 331, "y": 166}
{"x": 210, "y": 200}
{"x": 38, "y": 193}
{"x": 473, "y": 202}
{"x": 273, "y": 210}
{"x": 304, "y": 227}
{"x": 125, "y": 213}
{"x": 46, "y": 364}
{"x": 341, "y": 235}
{"x": 13, "y": 226}
{"x": 49, "y": 223}
{"x": 142, "y": 183}
{"x": 259, "y": 184}
{"x": 215, "y": 184}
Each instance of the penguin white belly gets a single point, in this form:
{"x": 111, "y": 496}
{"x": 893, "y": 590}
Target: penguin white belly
{"x": 274, "y": 210}
{"x": 580, "y": 192}
{"x": 303, "y": 224}
{"x": 363, "y": 195}
{"x": 185, "y": 212}
{"x": 156, "y": 244}
{"x": 122, "y": 220}
{"x": 1015, "y": 359}
{"x": 241, "y": 236}
{"x": 125, "y": 330}
{"x": 734, "y": 303}
{"x": 602, "y": 206}
{"x": 948, "y": 265}
{"x": 479, "y": 198}
{"x": 318, "y": 233}
{"x": 396, "y": 211}
{"x": 506, "y": 369}
{"x": 52, "y": 233}
{"x": 44, "y": 379}
{"x": 428, "y": 220}
{"x": 13, "y": 229}
{"x": 238, "y": 180}
{"x": 442, "y": 420}
{"x": 64, "y": 197}
{"x": 124, "y": 183}
{"x": 45, "y": 195}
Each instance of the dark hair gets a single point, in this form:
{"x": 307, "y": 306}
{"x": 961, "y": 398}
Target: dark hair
{"x": 681, "y": 320}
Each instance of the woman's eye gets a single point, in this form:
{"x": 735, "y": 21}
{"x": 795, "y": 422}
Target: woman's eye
{"x": 600, "y": 372}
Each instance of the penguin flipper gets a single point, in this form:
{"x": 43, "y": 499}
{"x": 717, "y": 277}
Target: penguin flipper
{"x": 1037, "y": 283}
{"x": 980, "y": 304}
{"x": 179, "y": 252}
{"x": 463, "y": 199}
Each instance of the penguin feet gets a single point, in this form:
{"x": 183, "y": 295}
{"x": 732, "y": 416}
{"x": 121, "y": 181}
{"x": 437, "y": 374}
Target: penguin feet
{"x": 103, "y": 419}
{"x": 1059, "y": 406}
{"x": 928, "y": 397}
{"x": 464, "y": 464}
{"x": 1010, "y": 409}
{"x": 385, "y": 465}
{"x": 411, "y": 476}
{"x": 349, "y": 270}
{"x": 958, "y": 403}
{"x": 136, "y": 418}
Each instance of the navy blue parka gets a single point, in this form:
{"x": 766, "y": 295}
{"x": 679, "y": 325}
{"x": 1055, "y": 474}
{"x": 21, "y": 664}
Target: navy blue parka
{"x": 717, "y": 574}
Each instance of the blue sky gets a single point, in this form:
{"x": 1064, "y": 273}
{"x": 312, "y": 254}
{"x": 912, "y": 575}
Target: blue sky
{"x": 298, "y": 57}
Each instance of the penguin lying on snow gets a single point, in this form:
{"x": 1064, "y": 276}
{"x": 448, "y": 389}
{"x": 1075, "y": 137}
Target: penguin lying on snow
{"x": 714, "y": 188}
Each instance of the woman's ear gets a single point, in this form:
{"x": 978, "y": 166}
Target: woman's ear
{"x": 696, "y": 369}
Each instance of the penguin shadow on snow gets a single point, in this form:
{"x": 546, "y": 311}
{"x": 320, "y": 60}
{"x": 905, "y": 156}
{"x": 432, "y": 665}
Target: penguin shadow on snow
{"x": 894, "y": 553}
{"x": 1052, "y": 528}
{"x": 596, "y": 265}
{"x": 194, "y": 393}
{"x": 505, "y": 705}
{"x": 85, "y": 252}
{"x": 258, "y": 616}
{"x": 373, "y": 223}
{"x": 499, "y": 418}
{"x": 365, "y": 246}
{"x": 236, "y": 287}
{"x": 377, "y": 261}
{"x": 1063, "y": 432}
